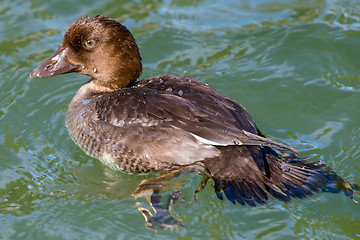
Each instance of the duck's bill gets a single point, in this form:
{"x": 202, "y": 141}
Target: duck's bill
{"x": 54, "y": 65}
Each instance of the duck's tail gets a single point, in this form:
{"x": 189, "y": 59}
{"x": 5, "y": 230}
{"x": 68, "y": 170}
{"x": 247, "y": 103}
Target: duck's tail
{"x": 248, "y": 175}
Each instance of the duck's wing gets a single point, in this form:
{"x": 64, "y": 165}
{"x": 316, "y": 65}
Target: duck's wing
{"x": 179, "y": 127}
{"x": 213, "y": 117}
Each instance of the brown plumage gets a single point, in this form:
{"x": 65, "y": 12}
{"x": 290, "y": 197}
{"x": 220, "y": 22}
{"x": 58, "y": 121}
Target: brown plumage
{"x": 171, "y": 121}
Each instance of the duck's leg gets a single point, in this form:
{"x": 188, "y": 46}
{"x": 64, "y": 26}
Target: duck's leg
{"x": 155, "y": 184}
{"x": 162, "y": 217}
{"x": 150, "y": 190}
{"x": 201, "y": 186}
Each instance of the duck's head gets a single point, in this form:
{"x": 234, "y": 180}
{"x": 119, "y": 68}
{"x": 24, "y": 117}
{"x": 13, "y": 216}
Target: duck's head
{"x": 98, "y": 47}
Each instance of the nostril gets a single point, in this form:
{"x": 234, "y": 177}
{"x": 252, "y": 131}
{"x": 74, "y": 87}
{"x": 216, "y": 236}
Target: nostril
{"x": 50, "y": 66}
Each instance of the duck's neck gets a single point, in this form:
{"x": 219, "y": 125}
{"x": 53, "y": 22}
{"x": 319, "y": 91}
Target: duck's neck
{"x": 90, "y": 89}
{"x": 94, "y": 86}
{"x": 97, "y": 86}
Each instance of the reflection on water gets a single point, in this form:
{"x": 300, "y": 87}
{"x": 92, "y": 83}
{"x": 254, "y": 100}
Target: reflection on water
{"x": 292, "y": 64}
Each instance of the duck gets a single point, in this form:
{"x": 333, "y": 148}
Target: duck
{"x": 168, "y": 122}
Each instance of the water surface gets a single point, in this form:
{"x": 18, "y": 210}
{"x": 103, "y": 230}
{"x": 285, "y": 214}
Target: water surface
{"x": 293, "y": 64}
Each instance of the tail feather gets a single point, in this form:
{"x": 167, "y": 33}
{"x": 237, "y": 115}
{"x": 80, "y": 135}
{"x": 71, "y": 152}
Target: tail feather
{"x": 259, "y": 195}
{"x": 248, "y": 193}
{"x": 243, "y": 180}
{"x": 277, "y": 193}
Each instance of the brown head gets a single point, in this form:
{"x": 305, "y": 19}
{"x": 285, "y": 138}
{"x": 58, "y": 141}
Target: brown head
{"x": 98, "y": 47}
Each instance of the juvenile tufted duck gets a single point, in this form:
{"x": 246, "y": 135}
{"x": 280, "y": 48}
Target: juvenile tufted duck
{"x": 171, "y": 121}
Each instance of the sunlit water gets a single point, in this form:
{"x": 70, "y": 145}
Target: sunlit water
{"x": 293, "y": 64}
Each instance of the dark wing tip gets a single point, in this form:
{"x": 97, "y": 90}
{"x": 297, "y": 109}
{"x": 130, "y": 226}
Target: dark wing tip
{"x": 300, "y": 180}
{"x": 241, "y": 193}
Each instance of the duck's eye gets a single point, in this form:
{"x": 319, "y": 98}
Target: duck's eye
{"x": 90, "y": 43}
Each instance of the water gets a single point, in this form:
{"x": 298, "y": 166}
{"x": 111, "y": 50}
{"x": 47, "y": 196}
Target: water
{"x": 293, "y": 64}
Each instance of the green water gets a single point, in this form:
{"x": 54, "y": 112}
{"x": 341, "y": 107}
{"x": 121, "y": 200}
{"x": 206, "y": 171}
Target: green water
{"x": 293, "y": 64}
